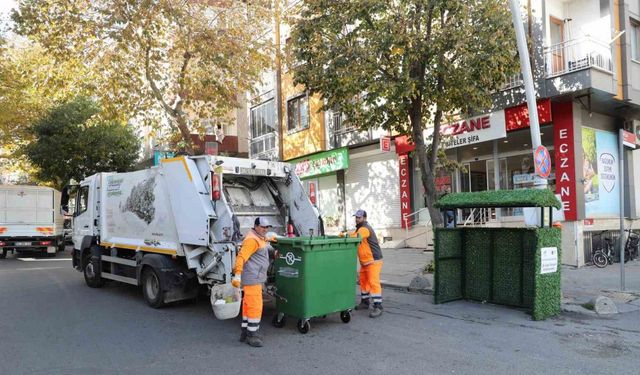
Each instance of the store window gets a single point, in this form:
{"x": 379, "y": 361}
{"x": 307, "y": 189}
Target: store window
{"x": 298, "y": 113}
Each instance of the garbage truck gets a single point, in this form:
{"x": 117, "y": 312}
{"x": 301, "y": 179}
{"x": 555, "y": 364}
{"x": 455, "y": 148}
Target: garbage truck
{"x": 175, "y": 229}
{"x": 30, "y": 220}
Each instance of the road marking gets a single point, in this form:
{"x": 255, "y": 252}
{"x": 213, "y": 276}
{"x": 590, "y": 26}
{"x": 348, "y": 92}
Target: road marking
{"x": 33, "y": 269}
{"x": 43, "y": 260}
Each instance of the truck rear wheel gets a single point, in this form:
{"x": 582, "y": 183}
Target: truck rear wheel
{"x": 152, "y": 288}
{"x": 92, "y": 270}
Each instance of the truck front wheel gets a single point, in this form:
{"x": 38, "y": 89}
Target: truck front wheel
{"x": 92, "y": 271}
{"x": 152, "y": 288}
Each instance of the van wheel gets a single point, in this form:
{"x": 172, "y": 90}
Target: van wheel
{"x": 152, "y": 288}
{"x": 92, "y": 271}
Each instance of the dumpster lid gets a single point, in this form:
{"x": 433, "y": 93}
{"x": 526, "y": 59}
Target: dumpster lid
{"x": 319, "y": 240}
{"x": 500, "y": 198}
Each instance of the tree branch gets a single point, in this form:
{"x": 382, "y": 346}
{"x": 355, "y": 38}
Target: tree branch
{"x": 154, "y": 88}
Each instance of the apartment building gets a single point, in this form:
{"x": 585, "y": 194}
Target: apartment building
{"x": 586, "y": 65}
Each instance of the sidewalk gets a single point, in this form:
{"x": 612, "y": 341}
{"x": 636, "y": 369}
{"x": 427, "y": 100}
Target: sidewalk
{"x": 579, "y": 285}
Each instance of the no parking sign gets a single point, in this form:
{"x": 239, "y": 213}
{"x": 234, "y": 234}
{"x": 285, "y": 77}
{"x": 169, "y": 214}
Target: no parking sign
{"x": 542, "y": 160}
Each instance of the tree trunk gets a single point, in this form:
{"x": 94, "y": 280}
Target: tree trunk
{"x": 426, "y": 168}
{"x": 185, "y": 133}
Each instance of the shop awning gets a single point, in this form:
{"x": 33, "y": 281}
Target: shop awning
{"x": 500, "y": 198}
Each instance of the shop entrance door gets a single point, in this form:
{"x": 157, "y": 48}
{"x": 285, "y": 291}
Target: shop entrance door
{"x": 474, "y": 178}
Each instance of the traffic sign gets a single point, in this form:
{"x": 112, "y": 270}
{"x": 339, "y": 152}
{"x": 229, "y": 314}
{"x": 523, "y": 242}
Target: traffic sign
{"x": 542, "y": 160}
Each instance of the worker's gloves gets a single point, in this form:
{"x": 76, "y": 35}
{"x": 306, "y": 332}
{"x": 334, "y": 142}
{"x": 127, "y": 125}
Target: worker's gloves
{"x": 235, "y": 281}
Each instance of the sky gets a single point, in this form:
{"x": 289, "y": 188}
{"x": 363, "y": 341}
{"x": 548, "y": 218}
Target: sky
{"x": 6, "y": 5}
{"x": 5, "y": 9}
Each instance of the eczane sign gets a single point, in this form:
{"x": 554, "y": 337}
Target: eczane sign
{"x": 474, "y": 130}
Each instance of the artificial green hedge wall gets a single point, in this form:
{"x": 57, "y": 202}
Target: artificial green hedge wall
{"x": 548, "y": 291}
{"x": 498, "y": 265}
{"x": 500, "y": 198}
{"x": 448, "y": 255}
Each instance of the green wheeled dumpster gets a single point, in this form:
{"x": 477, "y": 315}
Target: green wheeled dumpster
{"x": 315, "y": 276}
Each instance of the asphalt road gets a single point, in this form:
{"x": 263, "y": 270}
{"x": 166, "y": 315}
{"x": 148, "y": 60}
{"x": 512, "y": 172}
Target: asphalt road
{"x": 52, "y": 323}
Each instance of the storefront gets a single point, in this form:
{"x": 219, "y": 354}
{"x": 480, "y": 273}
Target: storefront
{"x": 584, "y": 160}
{"x": 371, "y": 184}
{"x": 321, "y": 174}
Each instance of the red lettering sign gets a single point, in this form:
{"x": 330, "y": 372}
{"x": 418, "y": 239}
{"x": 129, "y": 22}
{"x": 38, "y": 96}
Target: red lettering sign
{"x": 466, "y": 126}
{"x": 385, "y": 144}
{"x": 565, "y": 158}
{"x": 403, "y": 146}
{"x": 405, "y": 190}
{"x": 518, "y": 117}
{"x": 629, "y": 139}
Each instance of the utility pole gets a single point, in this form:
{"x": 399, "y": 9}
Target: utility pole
{"x": 527, "y": 77}
{"x": 278, "y": 88}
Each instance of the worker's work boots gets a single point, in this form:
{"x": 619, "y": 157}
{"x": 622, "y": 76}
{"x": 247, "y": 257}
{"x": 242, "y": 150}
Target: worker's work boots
{"x": 364, "y": 304}
{"x": 376, "y": 311}
{"x": 243, "y": 335}
{"x": 254, "y": 339}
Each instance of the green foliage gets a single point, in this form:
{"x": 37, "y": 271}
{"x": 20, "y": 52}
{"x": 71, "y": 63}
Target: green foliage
{"x": 500, "y": 198}
{"x": 69, "y": 143}
{"x": 31, "y": 82}
{"x": 158, "y": 60}
{"x": 430, "y": 267}
{"x": 404, "y": 65}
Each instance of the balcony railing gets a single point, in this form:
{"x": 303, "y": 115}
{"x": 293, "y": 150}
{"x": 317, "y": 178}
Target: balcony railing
{"x": 513, "y": 81}
{"x": 263, "y": 145}
{"x": 577, "y": 54}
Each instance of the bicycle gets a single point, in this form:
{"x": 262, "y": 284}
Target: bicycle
{"x": 632, "y": 244}
{"x": 599, "y": 256}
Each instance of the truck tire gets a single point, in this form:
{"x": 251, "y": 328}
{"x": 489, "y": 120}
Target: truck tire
{"x": 92, "y": 270}
{"x": 152, "y": 287}
{"x": 3, "y": 254}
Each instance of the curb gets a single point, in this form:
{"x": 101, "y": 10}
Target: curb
{"x": 405, "y": 288}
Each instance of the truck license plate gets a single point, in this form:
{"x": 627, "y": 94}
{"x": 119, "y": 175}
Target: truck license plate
{"x": 252, "y": 171}
{"x": 23, "y": 243}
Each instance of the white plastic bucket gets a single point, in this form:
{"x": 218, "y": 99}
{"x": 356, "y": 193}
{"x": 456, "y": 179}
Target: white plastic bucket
{"x": 226, "y": 310}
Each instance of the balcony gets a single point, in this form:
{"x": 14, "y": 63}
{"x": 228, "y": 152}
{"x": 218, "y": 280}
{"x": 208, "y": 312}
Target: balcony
{"x": 579, "y": 64}
{"x": 577, "y": 54}
{"x": 264, "y": 146}
{"x": 513, "y": 82}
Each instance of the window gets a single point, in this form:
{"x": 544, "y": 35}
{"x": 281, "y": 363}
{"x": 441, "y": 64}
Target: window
{"x": 635, "y": 40}
{"x": 263, "y": 119}
{"x": 337, "y": 121}
{"x": 83, "y": 200}
{"x": 604, "y": 8}
{"x": 297, "y": 113}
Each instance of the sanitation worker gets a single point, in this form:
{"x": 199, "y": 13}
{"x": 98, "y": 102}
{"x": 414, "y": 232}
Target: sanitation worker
{"x": 370, "y": 257}
{"x": 250, "y": 272}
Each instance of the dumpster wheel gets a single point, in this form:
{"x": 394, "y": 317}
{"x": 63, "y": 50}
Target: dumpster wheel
{"x": 345, "y": 316}
{"x": 304, "y": 326}
{"x": 279, "y": 320}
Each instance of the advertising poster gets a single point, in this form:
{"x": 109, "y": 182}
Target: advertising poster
{"x": 600, "y": 173}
